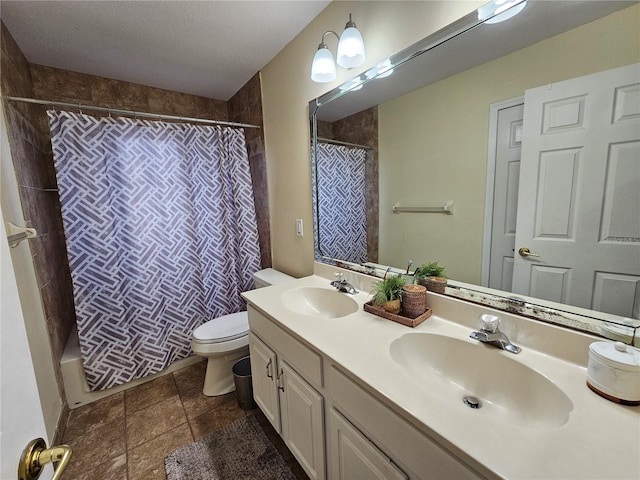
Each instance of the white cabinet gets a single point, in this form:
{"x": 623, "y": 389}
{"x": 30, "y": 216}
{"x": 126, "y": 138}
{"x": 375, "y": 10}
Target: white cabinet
{"x": 263, "y": 379}
{"x": 355, "y": 457}
{"x": 302, "y": 421}
{"x": 292, "y": 405}
{"x": 294, "y": 385}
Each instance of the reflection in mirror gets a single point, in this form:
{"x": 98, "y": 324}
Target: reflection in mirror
{"x": 451, "y": 124}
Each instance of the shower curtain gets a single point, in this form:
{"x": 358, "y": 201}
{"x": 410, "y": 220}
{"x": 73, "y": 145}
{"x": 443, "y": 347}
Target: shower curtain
{"x": 340, "y": 203}
{"x": 161, "y": 236}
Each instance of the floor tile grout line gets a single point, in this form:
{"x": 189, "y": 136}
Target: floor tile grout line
{"x": 184, "y": 410}
{"x": 193, "y": 436}
{"x": 126, "y": 436}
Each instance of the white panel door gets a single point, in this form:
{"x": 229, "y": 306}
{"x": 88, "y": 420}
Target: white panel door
{"x": 21, "y": 418}
{"x": 302, "y": 424}
{"x": 354, "y": 457}
{"x": 579, "y": 193}
{"x": 263, "y": 380}
{"x": 505, "y": 196}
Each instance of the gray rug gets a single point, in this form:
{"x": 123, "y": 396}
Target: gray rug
{"x": 237, "y": 451}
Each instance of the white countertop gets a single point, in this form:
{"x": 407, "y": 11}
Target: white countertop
{"x": 601, "y": 440}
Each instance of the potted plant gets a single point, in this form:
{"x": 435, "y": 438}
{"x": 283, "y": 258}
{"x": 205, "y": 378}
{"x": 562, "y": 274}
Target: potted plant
{"x": 388, "y": 293}
{"x": 432, "y": 276}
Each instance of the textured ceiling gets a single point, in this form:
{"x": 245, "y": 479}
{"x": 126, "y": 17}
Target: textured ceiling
{"x": 209, "y": 48}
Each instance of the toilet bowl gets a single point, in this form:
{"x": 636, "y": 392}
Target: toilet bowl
{"x": 225, "y": 340}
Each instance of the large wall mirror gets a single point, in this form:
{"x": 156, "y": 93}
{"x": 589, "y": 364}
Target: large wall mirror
{"x": 420, "y": 159}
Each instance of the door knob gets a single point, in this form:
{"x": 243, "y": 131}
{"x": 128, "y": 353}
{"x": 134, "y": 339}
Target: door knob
{"x": 525, "y": 252}
{"x": 36, "y": 455}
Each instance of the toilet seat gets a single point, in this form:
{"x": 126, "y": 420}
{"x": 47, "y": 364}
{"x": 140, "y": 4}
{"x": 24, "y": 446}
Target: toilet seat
{"x": 223, "y": 329}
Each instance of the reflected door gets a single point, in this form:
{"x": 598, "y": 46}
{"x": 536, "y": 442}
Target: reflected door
{"x": 578, "y": 227}
{"x": 505, "y": 196}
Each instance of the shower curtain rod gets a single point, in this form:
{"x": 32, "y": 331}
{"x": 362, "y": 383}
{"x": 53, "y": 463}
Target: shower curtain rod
{"x": 135, "y": 114}
{"x": 346, "y": 144}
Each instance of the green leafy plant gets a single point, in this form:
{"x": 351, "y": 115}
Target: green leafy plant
{"x": 431, "y": 270}
{"x": 388, "y": 289}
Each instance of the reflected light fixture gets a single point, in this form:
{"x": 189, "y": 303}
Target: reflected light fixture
{"x": 352, "y": 85}
{"x": 382, "y": 70}
{"x": 500, "y": 10}
{"x": 350, "y": 54}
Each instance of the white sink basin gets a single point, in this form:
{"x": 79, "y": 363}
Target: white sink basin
{"x": 319, "y": 302}
{"x": 507, "y": 389}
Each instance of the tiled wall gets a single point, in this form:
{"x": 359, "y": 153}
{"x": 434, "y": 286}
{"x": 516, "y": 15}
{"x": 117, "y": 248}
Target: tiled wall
{"x": 31, "y": 152}
{"x": 362, "y": 128}
{"x": 246, "y": 107}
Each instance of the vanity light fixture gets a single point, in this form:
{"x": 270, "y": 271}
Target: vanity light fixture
{"x": 350, "y": 54}
{"x": 500, "y": 10}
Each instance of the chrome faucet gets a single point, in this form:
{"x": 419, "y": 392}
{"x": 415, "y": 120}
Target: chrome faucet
{"x": 491, "y": 334}
{"x": 342, "y": 285}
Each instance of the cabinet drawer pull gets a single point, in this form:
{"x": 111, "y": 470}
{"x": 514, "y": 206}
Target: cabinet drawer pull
{"x": 269, "y": 374}
{"x": 280, "y": 384}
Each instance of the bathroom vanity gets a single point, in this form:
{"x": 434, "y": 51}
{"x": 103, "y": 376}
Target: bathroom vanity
{"x": 356, "y": 396}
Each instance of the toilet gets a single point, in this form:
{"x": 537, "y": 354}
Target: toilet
{"x": 224, "y": 340}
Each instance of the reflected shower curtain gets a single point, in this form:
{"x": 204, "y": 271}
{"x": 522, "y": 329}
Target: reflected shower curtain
{"x": 341, "y": 220}
{"x": 161, "y": 236}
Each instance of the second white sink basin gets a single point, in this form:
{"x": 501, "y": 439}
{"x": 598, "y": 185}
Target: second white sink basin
{"x": 319, "y": 302}
{"x": 507, "y": 389}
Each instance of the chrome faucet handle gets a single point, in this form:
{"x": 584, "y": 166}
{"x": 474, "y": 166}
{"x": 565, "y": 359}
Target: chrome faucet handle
{"x": 490, "y": 322}
{"x": 339, "y": 276}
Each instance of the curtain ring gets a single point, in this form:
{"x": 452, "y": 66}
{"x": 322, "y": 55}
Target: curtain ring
{"x": 109, "y": 111}
{"x": 80, "y": 108}
{"x": 135, "y": 117}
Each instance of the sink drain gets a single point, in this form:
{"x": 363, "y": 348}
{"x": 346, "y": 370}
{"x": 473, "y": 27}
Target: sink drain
{"x": 471, "y": 402}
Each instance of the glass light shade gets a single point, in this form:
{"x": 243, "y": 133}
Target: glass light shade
{"x": 382, "y": 70}
{"x": 323, "y": 68}
{"x": 350, "y": 48}
{"x": 352, "y": 85}
{"x": 502, "y": 9}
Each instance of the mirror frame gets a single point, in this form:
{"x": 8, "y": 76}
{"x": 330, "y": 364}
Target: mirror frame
{"x": 589, "y": 321}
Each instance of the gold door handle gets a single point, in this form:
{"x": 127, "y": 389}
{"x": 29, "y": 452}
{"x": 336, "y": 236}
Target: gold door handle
{"x": 36, "y": 455}
{"x": 525, "y": 252}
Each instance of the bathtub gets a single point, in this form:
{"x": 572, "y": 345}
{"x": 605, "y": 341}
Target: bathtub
{"x": 75, "y": 383}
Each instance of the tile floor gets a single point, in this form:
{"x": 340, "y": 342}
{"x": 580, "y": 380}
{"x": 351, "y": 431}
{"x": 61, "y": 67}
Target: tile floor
{"x": 127, "y": 435}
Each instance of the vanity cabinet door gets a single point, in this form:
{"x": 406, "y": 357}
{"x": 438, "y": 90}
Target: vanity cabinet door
{"x": 263, "y": 380}
{"x": 353, "y": 456}
{"x": 302, "y": 421}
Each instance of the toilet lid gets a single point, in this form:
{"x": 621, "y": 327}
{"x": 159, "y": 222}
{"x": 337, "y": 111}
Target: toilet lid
{"x": 223, "y": 329}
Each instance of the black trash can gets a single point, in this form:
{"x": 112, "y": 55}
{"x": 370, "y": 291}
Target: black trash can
{"x": 242, "y": 379}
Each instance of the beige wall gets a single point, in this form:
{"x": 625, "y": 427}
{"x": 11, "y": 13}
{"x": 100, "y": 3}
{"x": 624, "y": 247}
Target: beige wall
{"x": 450, "y": 118}
{"x": 387, "y": 27}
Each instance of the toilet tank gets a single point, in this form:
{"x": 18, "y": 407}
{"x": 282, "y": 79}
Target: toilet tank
{"x": 269, "y": 276}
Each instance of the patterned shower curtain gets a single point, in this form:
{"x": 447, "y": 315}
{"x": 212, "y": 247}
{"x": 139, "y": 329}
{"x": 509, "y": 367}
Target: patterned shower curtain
{"x": 341, "y": 219}
{"x": 161, "y": 236}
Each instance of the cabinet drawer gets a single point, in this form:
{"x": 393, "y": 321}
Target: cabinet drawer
{"x": 307, "y": 362}
{"x": 399, "y": 439}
